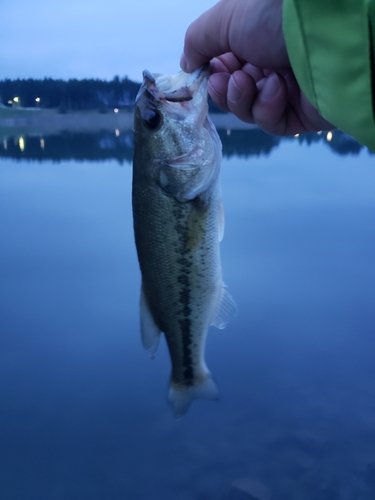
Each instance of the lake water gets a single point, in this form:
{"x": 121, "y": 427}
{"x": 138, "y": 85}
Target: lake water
{"x": 84, "y": 411}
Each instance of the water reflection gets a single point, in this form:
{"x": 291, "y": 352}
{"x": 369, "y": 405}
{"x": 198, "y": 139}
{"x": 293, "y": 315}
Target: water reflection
{"x": 118, "y": 145}
{"x": 83, "y": 413}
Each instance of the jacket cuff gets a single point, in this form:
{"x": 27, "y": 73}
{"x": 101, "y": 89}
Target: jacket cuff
{"x": 329, "y": 44}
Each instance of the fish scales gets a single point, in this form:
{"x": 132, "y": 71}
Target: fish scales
{"x": 177, "y": 225}
{"x": 180, "y": 265}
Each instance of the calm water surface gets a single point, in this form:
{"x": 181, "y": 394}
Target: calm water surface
{"x": 83, "y": 411}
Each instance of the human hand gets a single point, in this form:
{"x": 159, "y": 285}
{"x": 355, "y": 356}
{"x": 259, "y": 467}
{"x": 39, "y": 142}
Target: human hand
{"x": 251, "y": 73}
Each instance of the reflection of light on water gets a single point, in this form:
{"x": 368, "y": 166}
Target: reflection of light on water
{"x": 115, "y": 110}
{"x": 329, "y": 136}
{"x": 5, "y": 144}
{"x": 117, "y": 132}
{"x": 228, "y": 131}
{"x": 296, "y": 135}
{"x": 42, "y": 143}
{"x": 21, "y": 143}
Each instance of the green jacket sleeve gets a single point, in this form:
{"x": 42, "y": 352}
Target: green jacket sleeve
{"x": 330, "y": 47}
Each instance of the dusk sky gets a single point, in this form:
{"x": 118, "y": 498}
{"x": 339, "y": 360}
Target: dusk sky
{"x": 93, "y": 39}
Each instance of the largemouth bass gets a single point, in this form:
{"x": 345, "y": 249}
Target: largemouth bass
{"x": 178, "y": 224}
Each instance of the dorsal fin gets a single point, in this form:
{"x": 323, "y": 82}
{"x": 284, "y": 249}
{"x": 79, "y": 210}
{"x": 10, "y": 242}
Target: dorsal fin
{"x": 225, "y": 311}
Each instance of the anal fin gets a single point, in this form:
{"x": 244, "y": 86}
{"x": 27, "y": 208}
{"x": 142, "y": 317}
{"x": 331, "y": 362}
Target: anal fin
{"x": 149, "y": 330}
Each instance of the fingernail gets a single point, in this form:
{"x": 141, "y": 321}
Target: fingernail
{"x": 234, "y": 92}
{"x": 270, "y": 87}
{"x": 183, "y": 62}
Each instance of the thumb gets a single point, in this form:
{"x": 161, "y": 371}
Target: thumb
{"x": 205, "y": 38}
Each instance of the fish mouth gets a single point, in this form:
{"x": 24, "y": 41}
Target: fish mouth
{"x": 179, "y": 88}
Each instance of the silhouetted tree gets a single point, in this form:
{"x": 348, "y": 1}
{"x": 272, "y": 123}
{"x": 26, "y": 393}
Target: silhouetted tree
{"x": 72, "y": 94}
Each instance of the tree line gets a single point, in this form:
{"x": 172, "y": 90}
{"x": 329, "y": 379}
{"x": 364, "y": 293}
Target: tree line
{"x": 69, "y": 95}
{"x": 73, "y": 94}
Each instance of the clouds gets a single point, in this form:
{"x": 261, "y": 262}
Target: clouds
{"x": 81, "y": 38}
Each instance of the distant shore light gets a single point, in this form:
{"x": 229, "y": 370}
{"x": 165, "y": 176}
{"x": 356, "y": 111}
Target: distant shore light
{"x": 296, "y": 135}
{"x": 37, "y": 99}
{"x": 16, "y": 99}
{"x": 329, "y": 136}
{"x": 115, "y": 110}
{"x": 21, "y": 143}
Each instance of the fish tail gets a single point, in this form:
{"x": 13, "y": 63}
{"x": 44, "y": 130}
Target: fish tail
{"x": 180, "y": 396}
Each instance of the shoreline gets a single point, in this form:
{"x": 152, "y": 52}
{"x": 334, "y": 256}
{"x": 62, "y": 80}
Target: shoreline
{"x": 50, "y": 121}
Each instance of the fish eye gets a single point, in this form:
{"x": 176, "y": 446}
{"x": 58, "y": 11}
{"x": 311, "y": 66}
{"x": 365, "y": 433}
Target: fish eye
{"x": 153, "y": 120}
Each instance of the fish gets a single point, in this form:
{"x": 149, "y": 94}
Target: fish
{"x": 178, "y": 225}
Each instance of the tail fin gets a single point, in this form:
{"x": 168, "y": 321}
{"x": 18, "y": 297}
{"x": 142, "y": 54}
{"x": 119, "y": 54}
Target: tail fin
{"x": 180, "y": 396}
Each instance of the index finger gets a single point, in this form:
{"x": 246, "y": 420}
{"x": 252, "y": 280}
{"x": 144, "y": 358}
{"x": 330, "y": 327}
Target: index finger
{"x": 205, "y": 38}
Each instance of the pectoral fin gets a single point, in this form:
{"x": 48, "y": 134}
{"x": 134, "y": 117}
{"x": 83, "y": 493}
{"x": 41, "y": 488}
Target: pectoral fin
{"x": 149, "y": 330}
{"x": 225, "y": 311}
